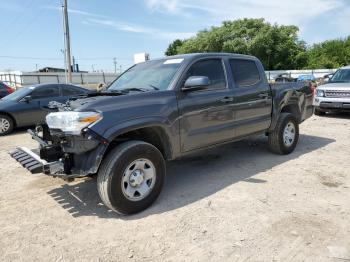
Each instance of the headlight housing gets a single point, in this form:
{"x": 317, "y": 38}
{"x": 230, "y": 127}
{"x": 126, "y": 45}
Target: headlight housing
{"x": 72, "y": 122}
{"x": 319, "y": 93}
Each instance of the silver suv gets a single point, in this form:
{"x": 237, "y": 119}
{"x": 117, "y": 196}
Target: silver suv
{"x": 334, "y": 95}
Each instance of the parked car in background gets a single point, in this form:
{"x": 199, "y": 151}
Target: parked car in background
{"x": 5, "y": 90}
{"x": 309, "y": 77}
{"x": 28, "y": 105}
{"x": 284, "y": 78}
{"x": 335, "y": 94}
{"x": 327, "y": 78}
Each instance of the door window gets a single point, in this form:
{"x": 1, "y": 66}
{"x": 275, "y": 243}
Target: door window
{"x": 71, "y": 91}
{"x": 211, "y": 68}
{"x": 45, "y": 92}
{"x": 245, "y": 72}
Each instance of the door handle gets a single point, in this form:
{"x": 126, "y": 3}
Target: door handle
{"x": 264, "y": 95}
{"x": 227, "y": 99}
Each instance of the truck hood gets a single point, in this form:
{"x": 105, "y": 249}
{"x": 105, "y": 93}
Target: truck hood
{"x": 335, "y": 86}
{"x": 116, "y": 102}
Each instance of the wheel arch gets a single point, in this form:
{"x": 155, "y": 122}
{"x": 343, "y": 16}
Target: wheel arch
{"x": 153, "y": 134}
{"x": 11, "y": 116}
{"x": 292, "y": 109}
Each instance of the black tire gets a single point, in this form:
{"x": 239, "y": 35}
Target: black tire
{"x": 111, "y": 173}
{"x": 276, "y": 138}
{"x": 9, "y": 121}
{"x": 319, "y": 112}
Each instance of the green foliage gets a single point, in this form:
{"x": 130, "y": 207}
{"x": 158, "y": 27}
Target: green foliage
{"x": 173, "y": 47}
{"x": 278, "y": 47}
{"x": 329, "y": 54}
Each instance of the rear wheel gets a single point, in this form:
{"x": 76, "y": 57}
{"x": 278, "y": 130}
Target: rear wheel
{"x": 131, "y": 177}
{"x": 6, "y": 125}
{"x": 285, "y": 136}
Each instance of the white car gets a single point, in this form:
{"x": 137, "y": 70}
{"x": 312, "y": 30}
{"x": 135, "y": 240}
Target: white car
{"x": 334, "y": 95}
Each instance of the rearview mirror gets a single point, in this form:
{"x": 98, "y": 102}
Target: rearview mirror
{"x": 196, "y": 83}
{"x": 27, "y": 99}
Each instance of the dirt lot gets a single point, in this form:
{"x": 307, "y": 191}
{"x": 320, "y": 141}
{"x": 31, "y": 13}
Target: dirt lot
{"x": 234, "y": 203}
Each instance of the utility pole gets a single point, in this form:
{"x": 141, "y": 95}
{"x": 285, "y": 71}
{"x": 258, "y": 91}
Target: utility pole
{"x": 115, "y": 65}
{"x": 68, "y": 57}
{"x": 73, "y": 64}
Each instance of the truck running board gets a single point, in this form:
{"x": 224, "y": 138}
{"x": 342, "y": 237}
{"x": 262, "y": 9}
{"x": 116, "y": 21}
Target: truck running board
{"x": 28, "y": 159}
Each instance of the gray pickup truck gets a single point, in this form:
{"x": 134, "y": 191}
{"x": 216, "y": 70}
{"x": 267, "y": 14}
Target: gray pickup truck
{"x": 161, "y": 110}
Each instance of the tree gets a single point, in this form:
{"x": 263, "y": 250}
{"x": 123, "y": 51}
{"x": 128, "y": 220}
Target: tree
{"x": 329, "y": 54}
{"x": 173, "y": 47}
{"x": 278, "y": 47}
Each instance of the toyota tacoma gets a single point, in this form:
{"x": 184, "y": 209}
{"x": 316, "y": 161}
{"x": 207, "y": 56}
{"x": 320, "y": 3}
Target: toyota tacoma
{"x": 161, "y": 110}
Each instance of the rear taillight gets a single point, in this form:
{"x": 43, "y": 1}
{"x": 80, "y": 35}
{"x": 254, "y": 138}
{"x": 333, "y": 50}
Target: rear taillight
{"x": 9, "y": 89}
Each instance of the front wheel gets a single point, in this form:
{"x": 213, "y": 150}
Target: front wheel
{"x": 285, "y": 136}
{"x": 6, "y": 125}
{"x": 131, "y": 177}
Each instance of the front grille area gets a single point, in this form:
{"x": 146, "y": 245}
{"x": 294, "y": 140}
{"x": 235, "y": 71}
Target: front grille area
{"x": 337, "y": 93}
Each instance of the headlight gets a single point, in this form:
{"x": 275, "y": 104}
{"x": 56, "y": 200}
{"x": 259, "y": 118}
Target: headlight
{"x": 71, "y": 122}
{"x": 319, "y": 93}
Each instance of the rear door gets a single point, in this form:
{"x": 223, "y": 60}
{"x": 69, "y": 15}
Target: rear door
{"x": 206, "y": 116}
{"x": 252, "y": 97}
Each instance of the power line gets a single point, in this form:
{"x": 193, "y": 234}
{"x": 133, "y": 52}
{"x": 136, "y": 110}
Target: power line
{"x": 17, "y": 35}
{"x": 20, "y": 16}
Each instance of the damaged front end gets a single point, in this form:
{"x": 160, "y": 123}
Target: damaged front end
{"x": 64, "y": 150}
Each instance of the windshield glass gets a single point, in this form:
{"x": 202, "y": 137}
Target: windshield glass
{"x": 19, "y": 94}
{"x": 152, "y": 75}
{"x": 342, "y": 75}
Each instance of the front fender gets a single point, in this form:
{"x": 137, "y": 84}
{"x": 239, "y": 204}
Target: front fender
{"x": 129, "y": 125}
{"x": 171, "y": 130}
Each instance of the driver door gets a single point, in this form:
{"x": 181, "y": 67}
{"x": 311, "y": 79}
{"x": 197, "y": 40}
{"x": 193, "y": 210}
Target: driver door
{"x": 206, "y": 116}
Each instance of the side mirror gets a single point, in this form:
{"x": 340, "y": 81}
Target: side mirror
{"x": 196, "y": 83}
{"x": 27, "y": 99}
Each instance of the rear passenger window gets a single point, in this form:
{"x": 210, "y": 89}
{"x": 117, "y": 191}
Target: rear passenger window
{"x": 211, "y": 68}
{"x": 45, "y": 92}
{"x": 71, "y": 91}
{"x": 245, "y": 72}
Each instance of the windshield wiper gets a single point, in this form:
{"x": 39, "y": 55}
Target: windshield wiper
{"x": 339, "y": 81}
{"x": 106, "y": 93}
{"x": 134, "y": 89}
{"x": 154, "y": 87}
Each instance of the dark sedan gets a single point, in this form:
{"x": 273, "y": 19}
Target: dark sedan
{"x": 28, "y": 105}
{"x": 5, "y": 90}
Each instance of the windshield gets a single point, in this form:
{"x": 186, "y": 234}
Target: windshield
{"x": 151, "y": 75}
{"x": 342, "y": 75}
{"x": 19, "y": 94}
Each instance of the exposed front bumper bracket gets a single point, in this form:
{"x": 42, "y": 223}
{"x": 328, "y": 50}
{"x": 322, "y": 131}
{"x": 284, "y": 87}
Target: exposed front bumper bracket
{"x": 31, "y": 161}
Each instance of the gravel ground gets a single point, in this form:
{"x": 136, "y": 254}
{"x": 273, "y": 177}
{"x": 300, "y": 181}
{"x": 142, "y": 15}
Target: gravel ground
{"x": 237, "y": 202}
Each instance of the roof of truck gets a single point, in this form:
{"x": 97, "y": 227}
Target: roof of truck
{"x": 345, "y": 67}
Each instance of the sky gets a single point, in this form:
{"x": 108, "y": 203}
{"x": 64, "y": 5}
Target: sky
{"x": 32, "y": 34}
